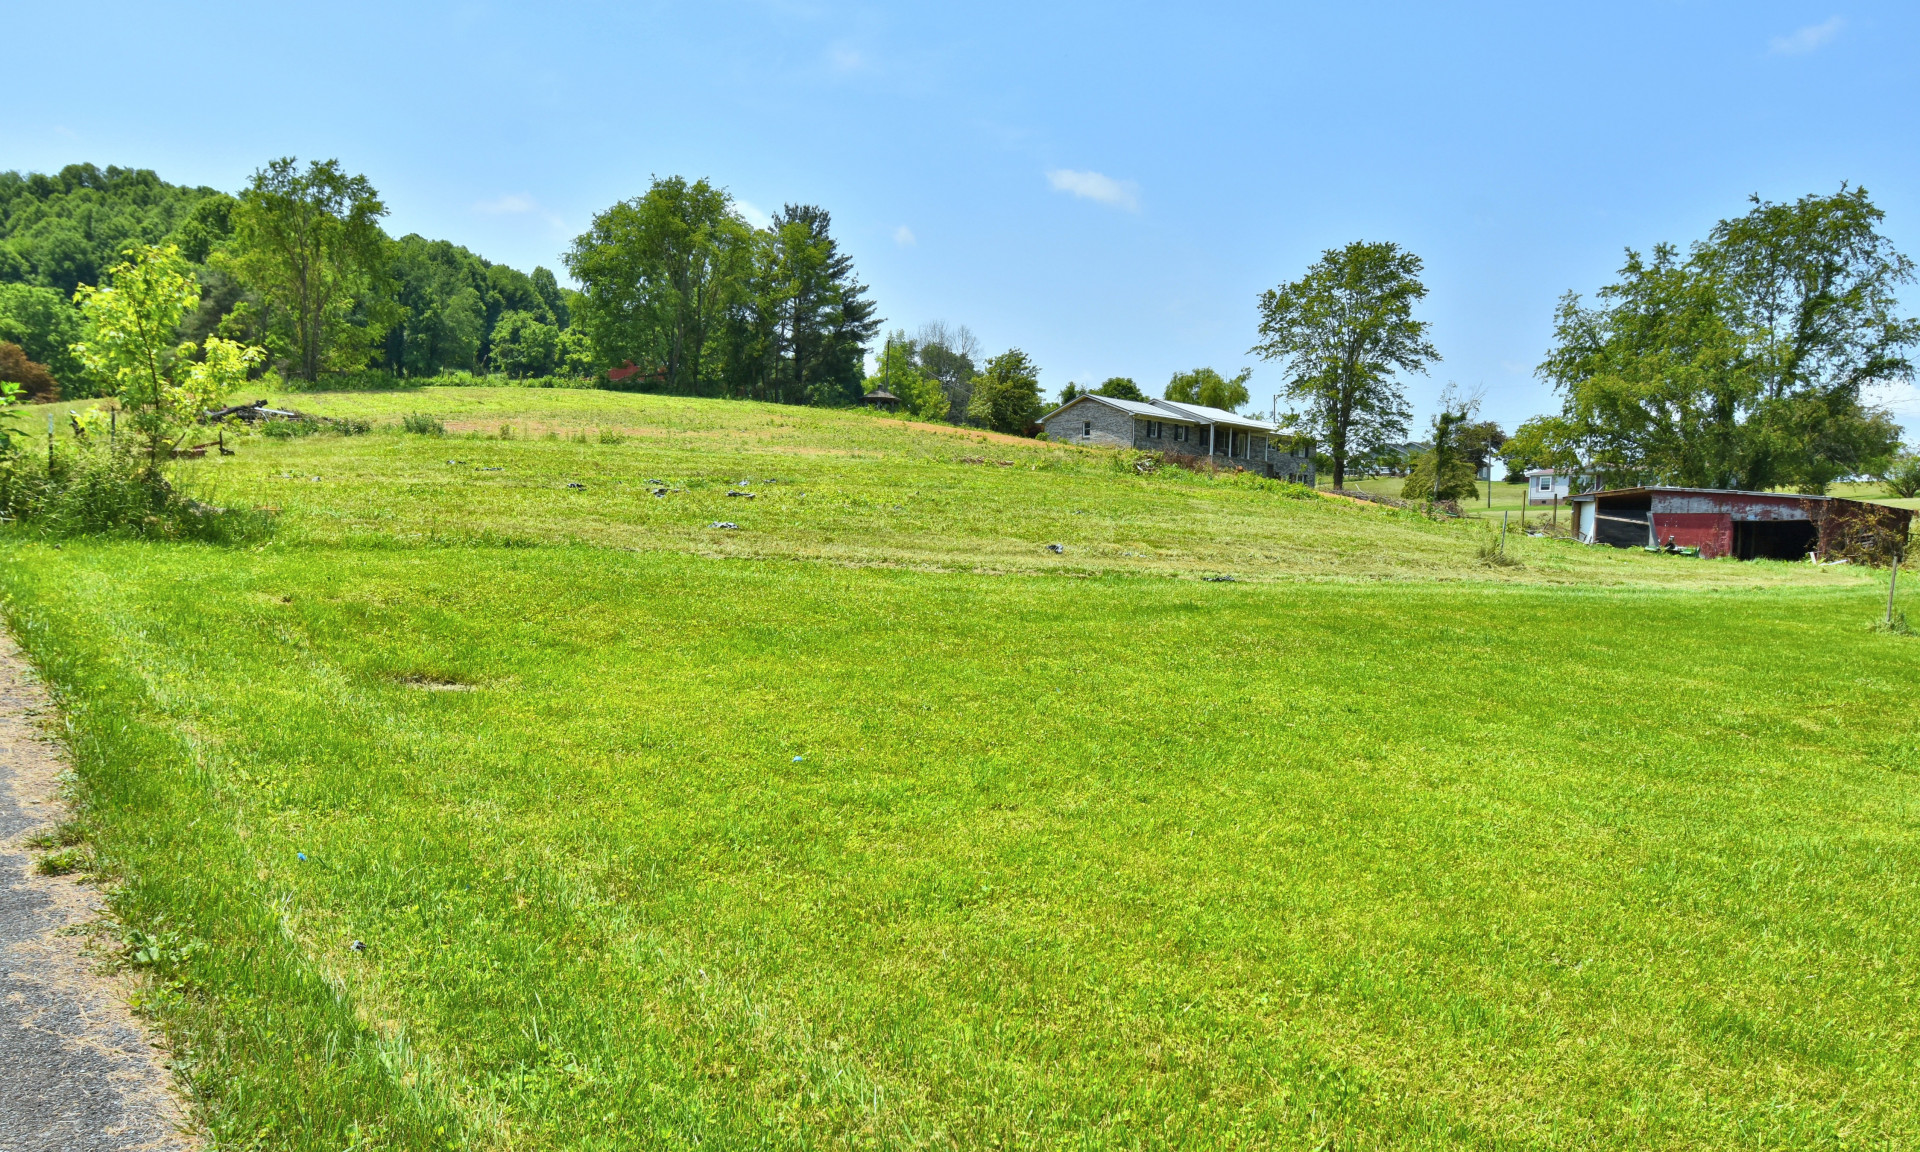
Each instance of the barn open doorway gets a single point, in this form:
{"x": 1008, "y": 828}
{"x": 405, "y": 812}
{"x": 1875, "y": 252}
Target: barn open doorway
{"x": 1774, "y": 539}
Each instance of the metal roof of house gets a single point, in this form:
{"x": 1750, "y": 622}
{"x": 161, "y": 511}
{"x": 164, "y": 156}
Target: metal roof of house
{"x": 1205, "y": 415}
{"x": 1168, "y": 410}
{"x": 1131, "y": 407}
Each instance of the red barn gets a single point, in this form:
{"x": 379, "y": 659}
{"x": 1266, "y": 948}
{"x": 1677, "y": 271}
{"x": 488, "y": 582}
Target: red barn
{"x": 1744, "y": 525}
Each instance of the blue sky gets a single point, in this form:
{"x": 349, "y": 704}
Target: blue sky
{"x": 1108, "y": 187}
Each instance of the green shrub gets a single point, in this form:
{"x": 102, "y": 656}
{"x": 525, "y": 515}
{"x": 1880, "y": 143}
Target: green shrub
{"x": 288, "y": 429}
{"x": 93, "y": 490}
{"x": 421, "y": 424}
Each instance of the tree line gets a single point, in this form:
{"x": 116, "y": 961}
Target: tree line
{"x": 1742, "y": 364}
{"x": 296, "y": 263}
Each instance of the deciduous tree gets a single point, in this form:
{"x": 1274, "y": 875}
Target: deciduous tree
{"x": 950, "y": 353}
{"x": 660, "y": 274}
{"x": 523, "y": 346}
{"x": 32, "y": 377}
{"x": 309, "y": 242}
{"x": 46, "y": 326}
{"x": 1443, "y": 471}
{"x": 900, "y": 373}
{"x": 1208, "y": 387}
{"x": 132, "y": 328}
{"x": 1342, "y": 331}
{"x": 1006, "y": 397}
{"x": 1743, "y": 365}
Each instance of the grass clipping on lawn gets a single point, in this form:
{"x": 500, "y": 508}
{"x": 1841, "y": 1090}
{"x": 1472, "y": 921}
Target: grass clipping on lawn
{"x": 777, "y": 852}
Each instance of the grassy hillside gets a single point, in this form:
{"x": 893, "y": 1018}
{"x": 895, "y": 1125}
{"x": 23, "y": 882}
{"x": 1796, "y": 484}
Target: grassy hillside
{"x": 875, "y": 824}
{"x": 846, "y": 487}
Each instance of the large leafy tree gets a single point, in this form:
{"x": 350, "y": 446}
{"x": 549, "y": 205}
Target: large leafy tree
{"x": 950, "y": 353}
{"x": 1208, "y": 387}
{"x": 1006, "y": 397}
{"x": 661, "y": 274}
{"x": 1744, "y": 364}
{"x": 1343, "y": 330}
{"x": 442, "y": 292}
{"x": 309, "y": 242}
{"x": 524, "y": 346}
{"x": 132, "y": 334}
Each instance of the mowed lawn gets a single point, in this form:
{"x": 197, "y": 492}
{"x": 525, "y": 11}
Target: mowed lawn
{"x": 650, "y": 847}
{"x": 847, "y": 488}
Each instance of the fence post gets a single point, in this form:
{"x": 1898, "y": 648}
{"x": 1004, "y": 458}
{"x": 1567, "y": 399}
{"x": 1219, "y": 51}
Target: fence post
{"x": 1893, "y": 578}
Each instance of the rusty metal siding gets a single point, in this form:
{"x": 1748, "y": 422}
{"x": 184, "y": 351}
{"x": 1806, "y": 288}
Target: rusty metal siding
{"x": 1740, "y": 506}
{"x": 1711, "y": 532}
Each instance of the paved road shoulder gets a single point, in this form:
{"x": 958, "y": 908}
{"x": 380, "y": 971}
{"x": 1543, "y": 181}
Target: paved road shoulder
{"x": 78, "y": 1073}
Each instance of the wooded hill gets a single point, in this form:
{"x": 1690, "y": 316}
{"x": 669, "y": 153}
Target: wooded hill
{"x": 452, "y": 310}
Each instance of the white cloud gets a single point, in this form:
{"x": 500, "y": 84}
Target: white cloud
{"x": 520, "y": 204}
{"x": 754, "y": 215}
{"x": 515, "y": 204}
{"x": 845, "y": 58}
{"x": 1808, "y": 39}
{"x": 1093, "y": 186}
{"x": 904, "y": 236}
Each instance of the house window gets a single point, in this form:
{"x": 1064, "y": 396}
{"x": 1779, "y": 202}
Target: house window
{"x": 1179, "y": 431}
{"x": 1089, "y": 429}
{"x": 1155, "y": 429}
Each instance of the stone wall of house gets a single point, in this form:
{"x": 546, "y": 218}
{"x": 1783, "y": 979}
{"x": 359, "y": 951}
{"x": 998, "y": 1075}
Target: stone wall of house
{"x": 1091, "y": 422}
{"x": 1194, "y": 445}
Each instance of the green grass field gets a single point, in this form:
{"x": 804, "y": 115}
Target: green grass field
{"x": 873, "y": 823}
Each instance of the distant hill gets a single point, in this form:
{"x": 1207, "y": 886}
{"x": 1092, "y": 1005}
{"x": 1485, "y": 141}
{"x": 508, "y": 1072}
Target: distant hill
{"x": 60, "y": 231}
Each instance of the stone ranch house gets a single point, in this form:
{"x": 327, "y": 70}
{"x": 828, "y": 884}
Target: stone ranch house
{"x": 1226, "y": 439}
